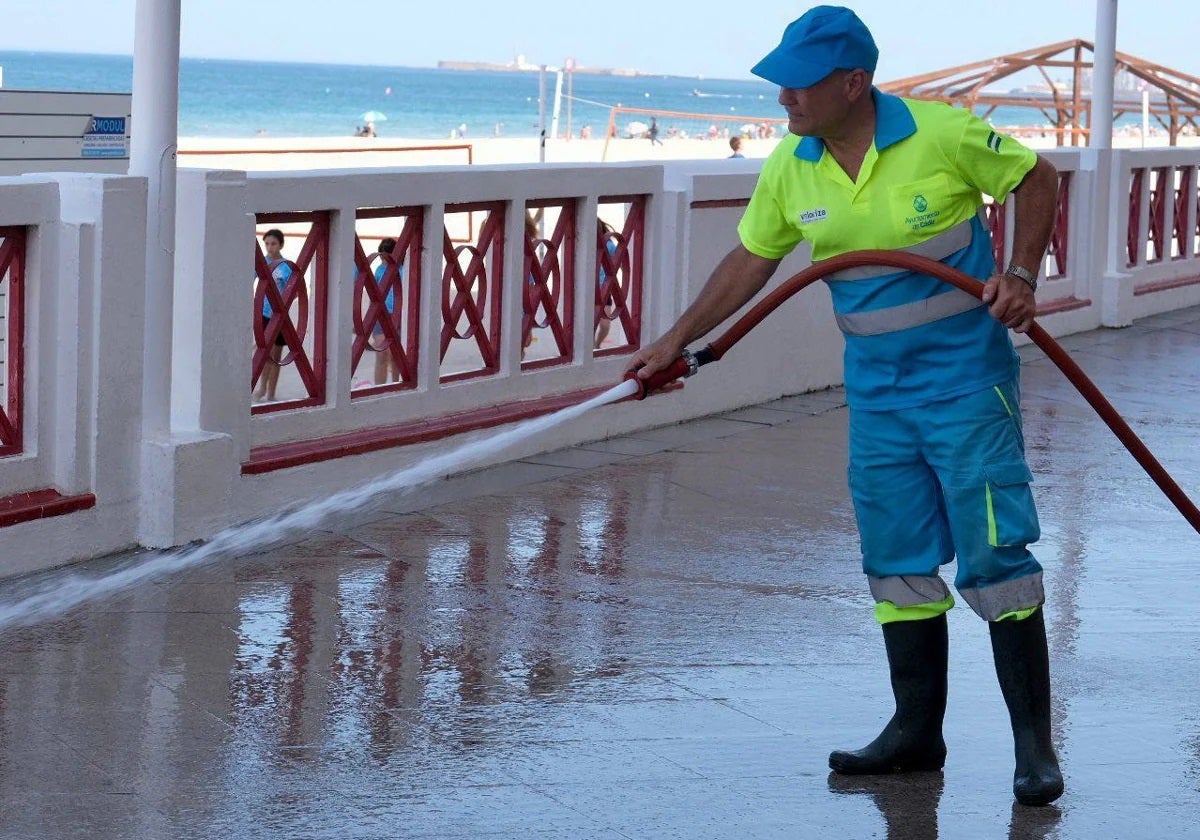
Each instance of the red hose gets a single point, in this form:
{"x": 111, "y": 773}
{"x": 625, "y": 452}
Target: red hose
{"x": 922, "y": 265}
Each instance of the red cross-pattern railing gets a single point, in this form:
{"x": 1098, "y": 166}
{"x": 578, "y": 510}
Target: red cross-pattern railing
{"x": 314, "y": 254}
{"x": 470, "y": 289}
{"x": 12, "y": 283}
{"x": 994, "y": 215}
{"x": 1196, "y": 243}
{"x": 547, "y": 299}
{"x": 395, "y": 334}
{"x": 1180, "y": 225}
{"x": 1059, "y": 244}
{"x": 1133, "y": 232}
{"x": 619, "y": 272}
{"x": 1161, "y": 191}
{"x": 1195, "y": 249}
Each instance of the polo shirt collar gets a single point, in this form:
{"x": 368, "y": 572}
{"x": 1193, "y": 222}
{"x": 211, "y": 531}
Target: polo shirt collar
{"x": 893, "y": 123}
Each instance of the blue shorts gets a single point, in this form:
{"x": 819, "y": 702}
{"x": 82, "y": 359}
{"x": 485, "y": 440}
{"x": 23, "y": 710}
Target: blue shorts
{"x": 943, "y": 480}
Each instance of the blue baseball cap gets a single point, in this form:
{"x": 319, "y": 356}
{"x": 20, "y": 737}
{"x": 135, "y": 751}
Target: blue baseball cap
{"x": 823, "y": 39}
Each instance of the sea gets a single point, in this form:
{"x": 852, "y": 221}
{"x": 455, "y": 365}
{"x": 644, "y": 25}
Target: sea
{"x": 224, "y": 98}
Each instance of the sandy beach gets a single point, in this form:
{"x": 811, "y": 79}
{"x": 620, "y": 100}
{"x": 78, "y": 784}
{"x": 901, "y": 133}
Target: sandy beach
{"x": 303, "y": 153}
{"x": 272, "y": 154}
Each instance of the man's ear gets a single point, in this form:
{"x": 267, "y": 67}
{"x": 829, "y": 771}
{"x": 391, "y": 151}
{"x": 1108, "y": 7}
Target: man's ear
{"x": 858, "y": 83}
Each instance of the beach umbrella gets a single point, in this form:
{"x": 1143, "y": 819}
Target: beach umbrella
{"x": 636, "y": 129}
{"x": 373, "y": 117}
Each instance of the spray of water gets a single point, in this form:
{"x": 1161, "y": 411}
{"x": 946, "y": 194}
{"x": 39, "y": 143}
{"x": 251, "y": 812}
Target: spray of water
{"x": 55, "y": 594}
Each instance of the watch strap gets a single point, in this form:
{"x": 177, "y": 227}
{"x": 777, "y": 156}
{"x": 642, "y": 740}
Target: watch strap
{"x": 1023, "y": 274}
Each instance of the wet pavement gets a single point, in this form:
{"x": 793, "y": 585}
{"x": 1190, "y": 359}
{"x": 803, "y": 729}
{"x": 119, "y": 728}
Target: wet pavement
{"x": 657, "y": 636}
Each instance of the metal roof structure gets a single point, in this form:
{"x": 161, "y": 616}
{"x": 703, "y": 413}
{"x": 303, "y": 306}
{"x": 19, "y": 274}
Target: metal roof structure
{"x": 1174, "y": 96}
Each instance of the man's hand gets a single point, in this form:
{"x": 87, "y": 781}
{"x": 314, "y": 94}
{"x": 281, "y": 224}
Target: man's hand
{"x": 1012, "y": 302}
{"x": 737, "y": 278}
{"x": 654, "y": 357}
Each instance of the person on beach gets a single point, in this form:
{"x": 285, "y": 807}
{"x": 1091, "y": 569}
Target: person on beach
{"x": 652, "y": 132}
{"x": 735, "y": 144}
{"x": 606, "y": 305}
{"x": 280, "y": 273}
{"x": 528, "y": 300}
{"x": 937, "y": 464}
{"x": 386, "y": 369}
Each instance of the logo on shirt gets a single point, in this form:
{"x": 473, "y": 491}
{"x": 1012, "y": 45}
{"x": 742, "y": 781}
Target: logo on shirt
{"x": 993, "y": 142}
{"x": 817, "y": 214}
{"x": 925, "y": 217}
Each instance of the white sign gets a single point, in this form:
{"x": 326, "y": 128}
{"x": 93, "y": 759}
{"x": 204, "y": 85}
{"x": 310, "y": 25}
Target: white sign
{"x": 105, "y": 138}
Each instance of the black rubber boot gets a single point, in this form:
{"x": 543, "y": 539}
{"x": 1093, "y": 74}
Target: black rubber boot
{"x": 1023, "y": 668}
{"x": 912, "y": 740}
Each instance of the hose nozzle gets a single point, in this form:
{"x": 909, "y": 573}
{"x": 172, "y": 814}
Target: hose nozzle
{"x": 686, "y": 365}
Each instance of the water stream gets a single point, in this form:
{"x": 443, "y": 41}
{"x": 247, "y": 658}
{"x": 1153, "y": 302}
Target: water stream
{"x": 23, "y": 602}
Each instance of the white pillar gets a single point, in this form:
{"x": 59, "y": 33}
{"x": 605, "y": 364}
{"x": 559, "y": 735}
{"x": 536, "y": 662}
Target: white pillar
{"x": 1114, "y": 289}
{"x": 1104, "y": 68}
{"x": 152, "y": 156}
{"x": 558, "y": 80}
{"x": 542, "y": 114}
{"x": 1145, "y": 116}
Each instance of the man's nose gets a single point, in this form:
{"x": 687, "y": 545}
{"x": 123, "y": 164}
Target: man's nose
{"x": 787, "y": 96}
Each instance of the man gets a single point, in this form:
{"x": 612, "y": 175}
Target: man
{"x": 937, "y": 465}
{"x": 735, "y": 144}
{"x": 652, "y": 132}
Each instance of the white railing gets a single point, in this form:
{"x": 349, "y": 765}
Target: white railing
{"x": 1157, "y": 199}
{"x": 462, "y": 230}
{"x": 81, "y": 322}
{"x": 657, "y": 258}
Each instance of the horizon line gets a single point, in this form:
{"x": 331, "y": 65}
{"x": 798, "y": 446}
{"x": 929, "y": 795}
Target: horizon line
{"x": 640, "y": 73}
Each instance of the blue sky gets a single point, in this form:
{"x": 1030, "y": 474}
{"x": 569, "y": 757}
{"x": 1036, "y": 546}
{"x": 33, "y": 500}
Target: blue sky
{"x": 666, "y": 36}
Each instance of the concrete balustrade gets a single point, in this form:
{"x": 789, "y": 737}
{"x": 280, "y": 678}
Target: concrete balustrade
{"x": 83, "y": 323}
{"x": 224, "y": 462}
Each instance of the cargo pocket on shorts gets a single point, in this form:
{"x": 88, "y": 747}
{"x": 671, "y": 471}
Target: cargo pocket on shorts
{"x": 1011, "y": 515}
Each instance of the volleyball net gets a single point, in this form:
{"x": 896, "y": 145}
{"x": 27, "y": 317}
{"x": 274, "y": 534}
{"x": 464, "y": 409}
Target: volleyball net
{"x": 663, "y": 126}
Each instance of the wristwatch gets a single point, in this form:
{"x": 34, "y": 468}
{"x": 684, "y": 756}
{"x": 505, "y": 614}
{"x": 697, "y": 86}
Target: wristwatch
{"x": 1025, "y": 274}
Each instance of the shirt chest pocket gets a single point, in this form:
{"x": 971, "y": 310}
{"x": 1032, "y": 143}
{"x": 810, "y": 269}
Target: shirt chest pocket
{"x": 921, "y": 208}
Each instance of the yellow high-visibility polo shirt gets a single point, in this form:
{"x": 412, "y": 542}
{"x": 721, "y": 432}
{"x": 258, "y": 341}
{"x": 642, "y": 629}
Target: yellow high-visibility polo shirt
{"x": 921, "y": 179}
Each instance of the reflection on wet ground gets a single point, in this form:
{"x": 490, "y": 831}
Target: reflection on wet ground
{"x": 655, "y": 636}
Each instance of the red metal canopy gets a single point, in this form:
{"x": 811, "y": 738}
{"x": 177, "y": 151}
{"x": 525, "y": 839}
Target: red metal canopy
{"x": 1174, "y": 96}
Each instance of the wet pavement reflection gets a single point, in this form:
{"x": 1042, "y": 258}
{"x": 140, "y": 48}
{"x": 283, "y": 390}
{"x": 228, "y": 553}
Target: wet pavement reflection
{"x": 661, "y": 635}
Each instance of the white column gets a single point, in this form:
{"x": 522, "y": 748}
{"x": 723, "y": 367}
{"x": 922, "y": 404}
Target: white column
{"x": 542, "y": 114}
{"x": 558, "y": 80}
{"x": 1104, "y": 68}
{"x": 152, "y": 156}
{"x": 1114, "y": 288}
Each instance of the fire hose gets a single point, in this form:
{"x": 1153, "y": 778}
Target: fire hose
{"x": 687, "y": 364}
